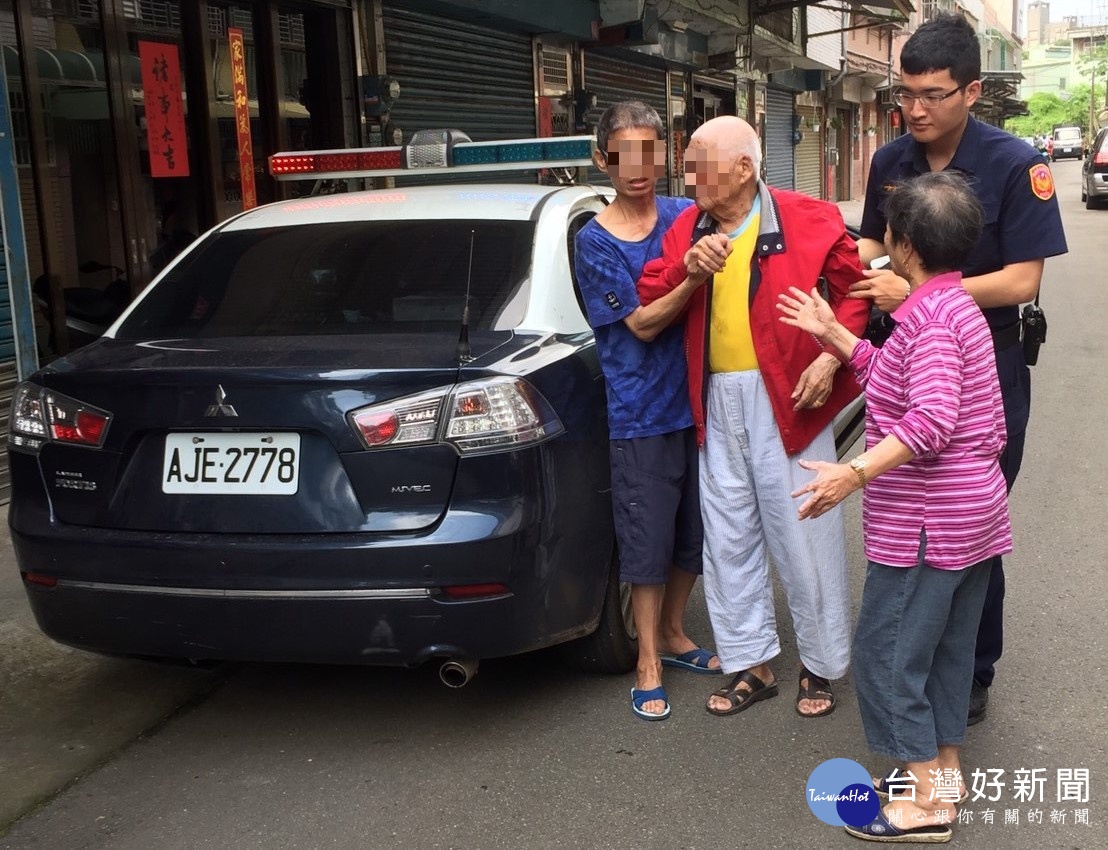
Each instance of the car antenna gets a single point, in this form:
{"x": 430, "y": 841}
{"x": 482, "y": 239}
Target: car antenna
{"x": 464, "y": 353}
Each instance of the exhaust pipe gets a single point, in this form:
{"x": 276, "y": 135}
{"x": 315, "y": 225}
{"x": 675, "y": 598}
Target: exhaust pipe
{"x": 457, "y": 672}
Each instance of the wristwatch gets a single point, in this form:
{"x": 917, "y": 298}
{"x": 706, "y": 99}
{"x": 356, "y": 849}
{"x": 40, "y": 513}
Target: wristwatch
{"x": 859, "y": 465}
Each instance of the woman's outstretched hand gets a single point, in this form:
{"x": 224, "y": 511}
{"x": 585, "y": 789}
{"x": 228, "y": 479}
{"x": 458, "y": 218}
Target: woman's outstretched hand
{"x": 807, "y": 311}
{"x": 833, "y": 483}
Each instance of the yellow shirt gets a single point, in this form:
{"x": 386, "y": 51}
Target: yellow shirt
{"x": 731, "y": 345}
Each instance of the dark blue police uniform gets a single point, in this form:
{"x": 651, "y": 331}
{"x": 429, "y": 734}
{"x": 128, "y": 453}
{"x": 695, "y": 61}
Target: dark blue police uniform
{"x": 1022, "y": 223}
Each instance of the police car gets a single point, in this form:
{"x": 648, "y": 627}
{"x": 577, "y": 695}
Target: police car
{"x": 365, "y": 427}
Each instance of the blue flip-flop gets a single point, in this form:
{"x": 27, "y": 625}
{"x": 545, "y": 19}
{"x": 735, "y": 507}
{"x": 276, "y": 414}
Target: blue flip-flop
{"x": 880, "y": 829}
{"x": 640, "y": 698}
{"x": 695, "y": 661}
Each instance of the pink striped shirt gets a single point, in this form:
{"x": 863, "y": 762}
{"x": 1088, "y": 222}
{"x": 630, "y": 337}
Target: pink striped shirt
{"x": 934, "y": 386}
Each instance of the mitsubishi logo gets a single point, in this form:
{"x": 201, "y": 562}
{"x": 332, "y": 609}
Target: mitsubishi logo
{"x": 220, "y": 408}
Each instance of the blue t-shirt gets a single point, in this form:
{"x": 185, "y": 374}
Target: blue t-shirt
{"x": 647, "y": 381}
{"x": 1022, "y": 221}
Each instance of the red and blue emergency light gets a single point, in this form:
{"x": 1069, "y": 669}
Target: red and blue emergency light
{"x": 436, "y": 152}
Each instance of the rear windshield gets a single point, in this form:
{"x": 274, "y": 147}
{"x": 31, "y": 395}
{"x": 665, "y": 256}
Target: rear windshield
{"x": 1068, "y": 134}
{"x": 342, "y": 278}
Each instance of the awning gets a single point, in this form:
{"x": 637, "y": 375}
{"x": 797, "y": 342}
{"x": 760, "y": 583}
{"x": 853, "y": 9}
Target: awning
{"x": 67, "y": 67}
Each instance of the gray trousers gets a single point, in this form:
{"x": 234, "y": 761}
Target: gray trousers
{"x": 913, "y": 656}
{"x": 749, "y": 516}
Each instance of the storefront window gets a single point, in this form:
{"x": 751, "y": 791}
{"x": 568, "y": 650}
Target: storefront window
{"x": 166, "y": 189}
{"x": 222, "y": 18}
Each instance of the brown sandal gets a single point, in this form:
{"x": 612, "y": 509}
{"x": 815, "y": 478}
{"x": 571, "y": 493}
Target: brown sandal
{"x": 818, "y": 688}
{"x": 742, "y": 699}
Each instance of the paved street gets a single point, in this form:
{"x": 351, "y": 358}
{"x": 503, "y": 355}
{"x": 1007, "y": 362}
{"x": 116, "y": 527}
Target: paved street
{"x": 531, "y": 755}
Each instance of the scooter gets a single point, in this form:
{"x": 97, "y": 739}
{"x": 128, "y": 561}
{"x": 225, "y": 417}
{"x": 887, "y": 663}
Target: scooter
{"x": 88, "y": 310}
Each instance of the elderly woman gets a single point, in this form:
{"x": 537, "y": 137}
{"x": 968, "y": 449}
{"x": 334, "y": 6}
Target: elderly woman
{"x": 934, "y": 504}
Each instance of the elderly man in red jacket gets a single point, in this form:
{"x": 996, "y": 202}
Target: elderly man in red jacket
{"x": 762, "y": 392}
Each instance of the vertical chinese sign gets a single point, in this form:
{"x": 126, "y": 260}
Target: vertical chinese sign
{"x": 242, "y": 118}
{"x": 165, "y": 111}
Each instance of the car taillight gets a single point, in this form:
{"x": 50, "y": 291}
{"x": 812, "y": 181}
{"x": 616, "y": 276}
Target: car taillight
{"x": 489, "y": 415}
{"x": 1101, "y": 158}
{"x": 404, "y": 422}
{"x": 40, "y": 415}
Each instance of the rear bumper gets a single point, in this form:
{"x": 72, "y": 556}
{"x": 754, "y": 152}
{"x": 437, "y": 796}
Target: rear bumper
{"x": 347, "y": 627}
{"x": 330, "y": 598}
{"x": 1097, "y": 185}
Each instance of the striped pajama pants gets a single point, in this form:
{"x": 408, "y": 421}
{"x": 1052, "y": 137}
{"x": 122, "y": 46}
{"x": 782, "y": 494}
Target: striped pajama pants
{"x": 749, "y": 516}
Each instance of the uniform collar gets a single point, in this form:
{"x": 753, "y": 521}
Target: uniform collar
{"x": 966, "y": 156}
{"x": 947, "y": 280}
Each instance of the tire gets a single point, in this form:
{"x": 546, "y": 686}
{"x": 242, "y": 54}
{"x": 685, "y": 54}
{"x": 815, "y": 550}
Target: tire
{"x": 1084, "y": 194}
{"x": 1091, "y": 203}
{"x": 614, "y": 647}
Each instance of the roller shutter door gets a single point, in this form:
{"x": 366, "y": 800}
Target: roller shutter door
{"x": 7, "y": 370}
{"x": 613, "y": 80}
{"x": 779, "y": 138}
{"x": 808, "y": 162}
{"x": 460, "y": 75}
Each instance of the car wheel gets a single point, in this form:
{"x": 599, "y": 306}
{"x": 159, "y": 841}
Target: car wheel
{"x": 1084, "y": 194}
{"x": 1091, "y": 203}
{"x": 614, "y": 646}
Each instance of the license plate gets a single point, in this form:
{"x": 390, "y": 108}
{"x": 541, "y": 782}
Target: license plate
{"x": 242, "y": 464}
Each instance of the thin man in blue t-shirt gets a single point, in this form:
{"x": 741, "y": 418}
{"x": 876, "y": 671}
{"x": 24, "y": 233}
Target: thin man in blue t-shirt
{"x": 655, "y": 494}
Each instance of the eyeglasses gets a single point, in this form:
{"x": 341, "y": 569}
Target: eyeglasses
{"x": 927, "y": 101}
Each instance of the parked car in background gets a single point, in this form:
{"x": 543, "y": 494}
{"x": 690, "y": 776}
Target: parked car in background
{"x": 1094, "y": 173}
{"x": 366, "y": 427}
{"x": 1067, "y": 143}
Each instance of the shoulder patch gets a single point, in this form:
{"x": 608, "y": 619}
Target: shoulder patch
{"x": 1042, "y": 181}
{"x": 613, "y": 300}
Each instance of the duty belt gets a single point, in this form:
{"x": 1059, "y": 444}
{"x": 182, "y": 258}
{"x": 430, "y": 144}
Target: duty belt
{"x": 1006, "y": 336}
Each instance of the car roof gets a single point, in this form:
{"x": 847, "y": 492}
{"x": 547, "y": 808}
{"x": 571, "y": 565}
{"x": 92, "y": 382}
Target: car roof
{"x": 491, "y": 201}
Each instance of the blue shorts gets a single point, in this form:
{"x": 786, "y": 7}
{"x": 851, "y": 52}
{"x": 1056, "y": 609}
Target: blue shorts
{"x": 656, "y": 506}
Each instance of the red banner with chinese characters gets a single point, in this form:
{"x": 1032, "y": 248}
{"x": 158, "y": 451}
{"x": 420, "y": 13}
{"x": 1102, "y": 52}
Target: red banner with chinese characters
{"x": 165, "y": 111}
{"x": 242, "y": 118}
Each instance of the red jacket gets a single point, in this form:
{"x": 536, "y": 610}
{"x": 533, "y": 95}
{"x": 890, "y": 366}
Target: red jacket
{"x": 800, "y": 241}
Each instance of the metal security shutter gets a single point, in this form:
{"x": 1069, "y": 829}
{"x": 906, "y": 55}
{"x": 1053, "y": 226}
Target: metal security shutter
{"x": 808, "y": 164}
{"x": 779, "y": 138}
{"x": 8, "y": 380}
{"x": 457, "y": 74}
{"x": 613, "y": 80}
{"x": 8, "y": 374}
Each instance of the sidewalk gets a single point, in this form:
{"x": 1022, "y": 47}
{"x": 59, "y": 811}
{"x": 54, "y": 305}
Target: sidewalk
{"x": 62, "y": 711}
{"x": 852, "y": 211}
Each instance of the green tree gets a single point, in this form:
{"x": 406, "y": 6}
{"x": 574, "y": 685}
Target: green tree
{"x": 1045, "y": 109}
{"x": 1094, "y": 64}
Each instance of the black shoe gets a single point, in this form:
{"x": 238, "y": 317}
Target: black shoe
{"x": 978, "y": 703}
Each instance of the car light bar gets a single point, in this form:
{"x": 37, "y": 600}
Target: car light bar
{"x": 467, "y": 158}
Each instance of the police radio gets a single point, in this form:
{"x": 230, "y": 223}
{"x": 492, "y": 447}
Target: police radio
{"x": 1034, "y": 331}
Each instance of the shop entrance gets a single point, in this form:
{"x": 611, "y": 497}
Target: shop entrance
{"x": 126, "y": 134}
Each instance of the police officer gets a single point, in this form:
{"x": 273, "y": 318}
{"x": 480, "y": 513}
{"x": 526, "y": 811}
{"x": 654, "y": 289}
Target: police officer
{"x": 940, "y": 82}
